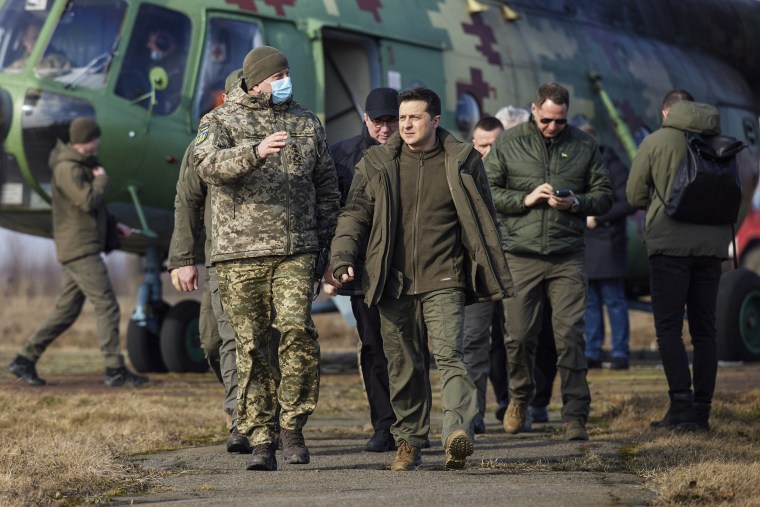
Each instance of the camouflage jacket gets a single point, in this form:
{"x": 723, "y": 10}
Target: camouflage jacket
{"x": 191, "y": 200}
{"x": 372, "y": 209}
{"x": 283, "y": 205}
{"x": 80, "y": 217}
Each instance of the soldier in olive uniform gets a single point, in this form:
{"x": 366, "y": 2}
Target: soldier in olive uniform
{"x": 192, "y": 211}
{"x": 274, "y": 200}
{"x": 82, "y": 229}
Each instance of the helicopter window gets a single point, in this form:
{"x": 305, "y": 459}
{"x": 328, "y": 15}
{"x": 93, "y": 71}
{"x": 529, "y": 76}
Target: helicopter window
{"x": 468, "y": 113}
{"x": 20, "y": 24}
{"x": 159, "y": 44}
{"x": 83, "y": 43}
{"x": 227, "y": 43}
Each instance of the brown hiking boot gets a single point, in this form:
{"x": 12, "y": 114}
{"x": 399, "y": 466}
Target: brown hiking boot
{"x": 294, "y": 448}
{"x": 574, "y": 430}
{"x": 263, "y": 458}
{"x": 458, "y": 447}
{"x": 514, "y": 419}
{"x": 407, "y": 457}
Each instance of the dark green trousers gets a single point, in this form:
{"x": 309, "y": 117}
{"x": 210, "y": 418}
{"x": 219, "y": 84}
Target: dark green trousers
{"x": 401, "y": 324}
{"x": 561, "y": 281}
{"x": 84, "y": 278}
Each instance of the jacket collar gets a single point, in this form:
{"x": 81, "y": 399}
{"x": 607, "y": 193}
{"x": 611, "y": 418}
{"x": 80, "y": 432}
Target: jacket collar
{"x": 452, "y": 147}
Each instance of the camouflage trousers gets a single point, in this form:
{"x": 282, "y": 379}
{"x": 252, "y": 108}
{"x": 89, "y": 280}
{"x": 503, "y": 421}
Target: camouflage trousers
{"x": 218, "y": 342}
{"x": 83, "y": 278}
{"x": 265, "y": 297}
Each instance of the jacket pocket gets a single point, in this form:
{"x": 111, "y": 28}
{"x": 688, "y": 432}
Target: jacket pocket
{"x": 394, "y": 286}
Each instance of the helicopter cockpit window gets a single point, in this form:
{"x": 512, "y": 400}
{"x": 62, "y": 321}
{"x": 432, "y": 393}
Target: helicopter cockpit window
{"x": 83, "y": 43}
{"x": 160, "y": 39}
{"x": 20, "y": 24}
{"x": 227, "y": 43}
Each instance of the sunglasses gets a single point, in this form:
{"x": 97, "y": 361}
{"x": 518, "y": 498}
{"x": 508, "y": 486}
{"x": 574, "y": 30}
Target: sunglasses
{"x": 558, "y": 121}
{"x": 378, "y": 123}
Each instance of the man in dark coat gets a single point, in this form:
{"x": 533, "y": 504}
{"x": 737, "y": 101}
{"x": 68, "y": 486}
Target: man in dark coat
{"x": 607, "y": 267}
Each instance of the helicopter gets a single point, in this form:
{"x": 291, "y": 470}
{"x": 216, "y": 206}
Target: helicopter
{"x": 148, "y": 70}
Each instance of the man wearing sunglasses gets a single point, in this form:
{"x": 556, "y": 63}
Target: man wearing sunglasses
{"x": 546, "y": 177}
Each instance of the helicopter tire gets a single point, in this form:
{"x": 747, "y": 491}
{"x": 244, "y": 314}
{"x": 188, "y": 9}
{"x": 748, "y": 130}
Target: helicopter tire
{"x": 738, "y": 316}
{"x": 180, "y": 339}
{"x": 143, "y": 345}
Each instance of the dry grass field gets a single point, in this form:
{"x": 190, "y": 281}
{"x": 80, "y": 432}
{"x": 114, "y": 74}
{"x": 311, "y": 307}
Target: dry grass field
{"x": 66, "y": 443}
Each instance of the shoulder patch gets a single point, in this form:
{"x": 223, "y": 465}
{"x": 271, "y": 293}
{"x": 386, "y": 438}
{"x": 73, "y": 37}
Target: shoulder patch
{"x": 202, "y": 134}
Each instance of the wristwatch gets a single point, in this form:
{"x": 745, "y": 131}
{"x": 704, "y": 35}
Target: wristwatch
{"x": 576, "y": 205}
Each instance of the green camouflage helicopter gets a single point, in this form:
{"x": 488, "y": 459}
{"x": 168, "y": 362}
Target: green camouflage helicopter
{"x": 60, "y": 59}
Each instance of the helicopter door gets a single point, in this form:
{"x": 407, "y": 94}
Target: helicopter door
{"x": 352, "y": 70}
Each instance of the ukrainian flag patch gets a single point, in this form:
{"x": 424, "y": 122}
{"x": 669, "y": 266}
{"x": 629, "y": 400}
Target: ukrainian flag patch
{"x": 202, "y": 134}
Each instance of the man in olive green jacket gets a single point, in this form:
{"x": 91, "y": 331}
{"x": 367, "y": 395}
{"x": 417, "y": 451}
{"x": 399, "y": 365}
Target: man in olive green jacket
{"x": 684, "y": 262}
{"x": 82, "y": 229}
{"x": 546, "y": 177}
{"x": 421, "y": 204}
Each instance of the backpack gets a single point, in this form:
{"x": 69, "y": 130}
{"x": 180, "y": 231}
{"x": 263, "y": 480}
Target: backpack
{"x": 706, "y": 189}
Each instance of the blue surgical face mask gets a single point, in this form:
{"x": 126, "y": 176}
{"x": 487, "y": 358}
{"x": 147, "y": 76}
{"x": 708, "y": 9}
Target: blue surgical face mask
{"x": 282, "y": 89}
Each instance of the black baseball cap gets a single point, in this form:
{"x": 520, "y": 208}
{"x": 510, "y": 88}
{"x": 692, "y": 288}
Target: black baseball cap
{"x": 382, "y": 102}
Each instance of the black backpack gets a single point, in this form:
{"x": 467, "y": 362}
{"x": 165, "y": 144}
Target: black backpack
{"x": 706, "y": 189}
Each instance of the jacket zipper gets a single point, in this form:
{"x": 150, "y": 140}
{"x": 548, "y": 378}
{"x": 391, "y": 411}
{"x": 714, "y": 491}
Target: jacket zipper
{"x": 416, "y": 223}
{"x": 548, "y": 172}
{"x": 284, "y": 162}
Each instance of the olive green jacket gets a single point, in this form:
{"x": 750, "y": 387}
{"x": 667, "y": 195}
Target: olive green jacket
{"x": 372, "y": 208}
{"x": 519, "y": 161}
{"x": 655, "y": 166}
{"x": 80, "y": 216}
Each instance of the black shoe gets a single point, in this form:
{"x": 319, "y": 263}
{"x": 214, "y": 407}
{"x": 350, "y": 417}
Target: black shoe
{"x": 680, "y": 414}
{"x": 263, "y": 458}
{"x": 619, "y": 363}
{"x": 381, "y": 441}
{"x": 294, "y": 448}
{"x": 702, "y": 415}
{"x": 501, "y": 410}
{"x": 478, "y": 426}
{"x": 238, "y": 443}
{"x": 425, "y": 444}
{"x": 24, "y": 369}
{"x": 117, "y": 377}
{"x": 593, "y": 364}
{"x": 539, "y": 414}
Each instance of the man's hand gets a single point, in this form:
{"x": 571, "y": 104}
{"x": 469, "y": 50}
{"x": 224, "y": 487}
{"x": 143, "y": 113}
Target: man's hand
{"x": 591, "y": 222}
{"x": 542, "y": 192}
{"x": 185, "y": 279}
{"x": 123, "y": 230}
{"x": 562, "y": 203}
{"x": 330, "y": 279}
{"x": 98, "y": 171}
{"x": 348, "y": 277}
{"x": 272, "y": 144}
{"x": 329, "y": 289}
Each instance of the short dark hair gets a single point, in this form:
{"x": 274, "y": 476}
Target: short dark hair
{"x": 426, "y": 95}
{"x": 489, "y": 123}
{"x": 674, "y": 96}
{"x": 554, "y": 92}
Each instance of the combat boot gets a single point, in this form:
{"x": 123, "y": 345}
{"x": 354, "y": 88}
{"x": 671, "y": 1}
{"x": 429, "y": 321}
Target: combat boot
{"x": 574, "y": 430}
{"x": 294, "y": 448}
{"x": 263, "y": 458}
{"x": 680, "y": 414}
{"x": 702, "y": 415}
{"x": 407, "y": 457}
{"x": 515, "y": 418}
{"x": 238, "y": 443}
{"x": 24, "y": 369}
{"x": 117, "y": 377}
{"x": 458, "y": 447}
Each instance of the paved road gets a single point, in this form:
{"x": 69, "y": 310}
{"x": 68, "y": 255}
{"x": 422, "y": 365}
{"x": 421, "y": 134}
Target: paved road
{"x": 340, "y": 473}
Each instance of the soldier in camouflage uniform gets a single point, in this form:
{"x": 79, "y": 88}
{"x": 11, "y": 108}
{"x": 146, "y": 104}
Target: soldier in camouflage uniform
{"x": 192, "y": 211}
{"x": 275, "y": 200}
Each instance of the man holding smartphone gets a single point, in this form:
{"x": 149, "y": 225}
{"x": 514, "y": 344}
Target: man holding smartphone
{"x": 546, "y": 177}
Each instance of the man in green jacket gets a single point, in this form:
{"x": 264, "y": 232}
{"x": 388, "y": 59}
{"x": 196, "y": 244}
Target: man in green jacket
{"x": 192, "y": 217}
{"x": 684, "y": 262}
{"x": 421, "y": 204}
{"x": 274, "y": 204}
{"x": 546, "y": 177}
{"x": 82, "y": 229}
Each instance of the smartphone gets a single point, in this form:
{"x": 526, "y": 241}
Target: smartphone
{"x": 564, "y": 192}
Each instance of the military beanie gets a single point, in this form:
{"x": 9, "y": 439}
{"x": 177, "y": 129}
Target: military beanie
{"x": 262, "y": 62}
{"x": 83, "y": 130}
{"x": 233, "y": 78}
